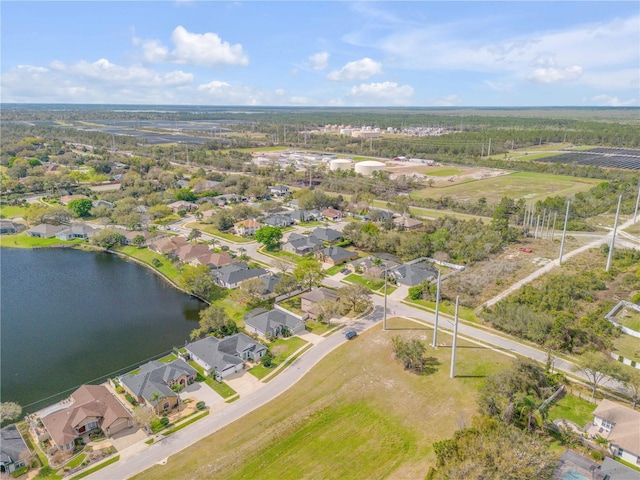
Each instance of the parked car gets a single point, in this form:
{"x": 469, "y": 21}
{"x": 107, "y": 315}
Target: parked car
{"x": 344, "y": 271}
{"x": 350, "y": 334}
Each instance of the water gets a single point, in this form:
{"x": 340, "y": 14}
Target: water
{"x": 70, "y": 317}
{"x": 573, "y": 475}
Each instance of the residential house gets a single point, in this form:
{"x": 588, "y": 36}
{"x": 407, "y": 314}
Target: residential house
{"x": 67, "y": 199}
{"x": 273, "y": 323}
{"x": 278, "y": 220}
{"x": 279, "y": 190}
{"x": 246, "y": 228}
{"x": 312, "y": 298}
{"x": 230, "y": 276}
{"x": 90, "y": 407}
{"x": 213, "y": 260}
{"x": 620, "y": 426}
{"x": 332, "y": 214}
{"x": 222, "y": 200}
{"x": 376, "y": 215}
{"x": 167, "y": 245}
{"x": 9, "y": 227}
{"x": 300, "y": 216}
{"x": 183, "y": 205}
{"x": 44, "y": 230}
{"x": 129, "y": 235}
{"x": 413, "y": 274}
{"x": 336, "y": 255}
{"x": 223, "y": 357}
{"x": 186, "y": 253}
{"x": 328, "y": 235}
{"x": 270, "y": 281}
{"x": 375, "y": 264}
{"x": 407, "y": 223}
{"x": 76, "y": 231}
{"x": 614, "y": 470}
{"x": 13, "y": 450}
{"x": 154, "y": 381}
{"x": 302, "y": 244}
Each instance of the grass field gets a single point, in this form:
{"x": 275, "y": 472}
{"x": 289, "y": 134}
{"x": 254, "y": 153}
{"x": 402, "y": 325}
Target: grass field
{"x": 627, "y": 346}
{"x": 570, "y": 407}
{"x": 357, "y": 414}
{"x": 210, "y": 229}
{"x": 24, "y": 241}
{"x": 282, "y": 348}
{"x": 7, "y": 211}
{"x": 145, "y": 255}
{"x": 530, "y": 186}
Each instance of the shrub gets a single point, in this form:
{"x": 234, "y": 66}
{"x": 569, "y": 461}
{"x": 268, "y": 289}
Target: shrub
{"x": 45, "y": 472}
{"x": 130, "y": 399}
{"x": 156, "y": 263}
{"x": 20, "y": 471}
{"x": 119, "y": 389}
{"x": 164, "y": 421}
{"x": 200, "y": 405}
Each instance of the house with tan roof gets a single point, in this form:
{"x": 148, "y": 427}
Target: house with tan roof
{"x": 183, "y": 205}
{"x": 167, "y": 245}
{"x": 332, "y": 214}
{"x": 309, "y": 301}
{"x": 188, "y": 252}
{"x": 246, "y": 228}
{"x": 90, "y": 407}
{"x": 620, "y": 426}
{"x": 213, "y": 260}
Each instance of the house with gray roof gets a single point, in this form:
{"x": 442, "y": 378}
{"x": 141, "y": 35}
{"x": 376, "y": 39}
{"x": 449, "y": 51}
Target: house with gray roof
{"x": 273, "y": 323}
{"x": 336, "y": 255}
{"x": 183, "y": 205}
{"x": 310, "y": 299}
{"x": 223, "y": 357}
{"x": 9, "y": 227}
{"x": 278, "y": 220}
{"x": 368, "y": 265}
{"x": 12, "y": 449}
{"x": 44, "y": 230}
{"x": 328, "y": 235}
{"x": 222, "y": 200}
{"x": 153, "y": 381}
{"x": 205, "y": 186}
{"x": 102, "y": 203}
{"x": 279, "y": 190}
{"x": 302, "y": 244}
{"x": 306, "y": 215}
{"x": 413, "y": 274}
{"x": 230, "y": 276}
{"x": 76, "y": 231}
{"x": 270, "y": 281}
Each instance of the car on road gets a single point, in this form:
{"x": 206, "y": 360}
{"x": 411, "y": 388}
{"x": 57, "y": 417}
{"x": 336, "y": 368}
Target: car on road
{"x": 350, "y": 334}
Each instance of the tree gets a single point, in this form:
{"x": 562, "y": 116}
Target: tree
{"x": 185, "y": 194}
{"x": 143, "y": 416}
{"x": 194, "y": 234}
{"x": 327, "y": 309}
{"x": 281, "y": 265}
{"x": 286, "y": 284}
{"x": 81, "y": 207}
{"x": 308, "y": 272}
{"x": 631, "y": 382}
{"x": 198, "y": 280}
{"x": 138, "y": 240}
{"x": 9, "y": 411}
{"x": 356, "y": 297}
{"x": 596, "y": 367}
{"x": 269, "y": 236}
{"x": 411, "y": 353}
{"x": 250, "y": 292}
{"x": 108, "y": 239}
{"x": 215, "y": 320}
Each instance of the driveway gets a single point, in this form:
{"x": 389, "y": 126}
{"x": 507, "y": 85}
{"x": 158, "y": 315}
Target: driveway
{"x": 243, "y": 382}
{"x": 201, "y": 392}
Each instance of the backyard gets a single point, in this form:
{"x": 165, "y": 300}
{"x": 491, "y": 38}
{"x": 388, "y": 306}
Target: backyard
{"x": 282, "y": 348}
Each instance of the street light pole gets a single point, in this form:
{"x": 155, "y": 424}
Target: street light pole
{"x": 435, "y": 323}
{"x": 386, "y": 273}
{"x": 452, "y": 373}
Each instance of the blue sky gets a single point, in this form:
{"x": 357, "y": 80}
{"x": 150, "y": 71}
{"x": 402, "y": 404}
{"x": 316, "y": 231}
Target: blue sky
{"x": 322, "y": 53}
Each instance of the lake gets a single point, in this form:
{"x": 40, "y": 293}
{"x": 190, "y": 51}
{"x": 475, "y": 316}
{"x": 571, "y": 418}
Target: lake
{"x": 70, "y": 317}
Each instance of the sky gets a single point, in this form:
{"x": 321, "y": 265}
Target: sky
{"x": 321, "y": 53}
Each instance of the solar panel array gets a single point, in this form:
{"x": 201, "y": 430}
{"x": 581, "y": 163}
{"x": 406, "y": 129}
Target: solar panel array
{"x": 600, "y": 157}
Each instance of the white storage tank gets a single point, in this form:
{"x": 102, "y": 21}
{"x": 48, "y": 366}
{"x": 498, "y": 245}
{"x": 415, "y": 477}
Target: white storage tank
{"x": 340, "y": 164}
{"x": 367, "y": 168}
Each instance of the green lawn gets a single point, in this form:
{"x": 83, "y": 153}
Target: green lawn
{"x": 333, "y": 270}
{"x": 578, "y": 410}
{"x": 442, "y": 172}
{"x": 311, "y": 224}
{"x": 8, "y": 211}
{"x": 355, "y": 415}
{"x": 627, "y": 346}
{"x": 234, "y": 309}
{"x": 290, "y": 257}
{"x": 293, "y": 304}
{"x": 282, "y": 348}
{"x": 168, "y": 358}
{"x": 318, "y": 328}
{"x": 448, "y": 308}
{"x": 75, "y": 461}
{"x": 527, "y": 185}
{"x": 221, "y": 388}
{"x": 22, "y": 240}
{"x": 372, "y": 284}
{"x": 89, "y": 471}
{"x": 167, "y": 268}
{"x": 630, "y": 319}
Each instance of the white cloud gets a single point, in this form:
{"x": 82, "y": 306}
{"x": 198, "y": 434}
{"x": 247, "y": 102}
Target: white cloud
{"x": 97, "y": 82}
{"x": 202, "y": 49}
{"x": 609, "y": 101}
{"x": 319, "y": 61}
{"x": 449, "y": 101}
{"x": 357, "y": 70}
{"x": 384, "y": 93}
{"x": 555, "y": 75}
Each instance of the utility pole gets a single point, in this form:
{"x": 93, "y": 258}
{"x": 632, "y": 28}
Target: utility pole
{"x": 635, "y": 213}
{"x": 564, "y": 233}
{"x": 452, "y": 373}
{"x": 553, "y": 229}
{"x": 489, "y": 150}
{"x": 435, "y": 323}
{"x": 613, "y": 236}
{"x": 384, "y": 322}
{"x": 535, "y": 235}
